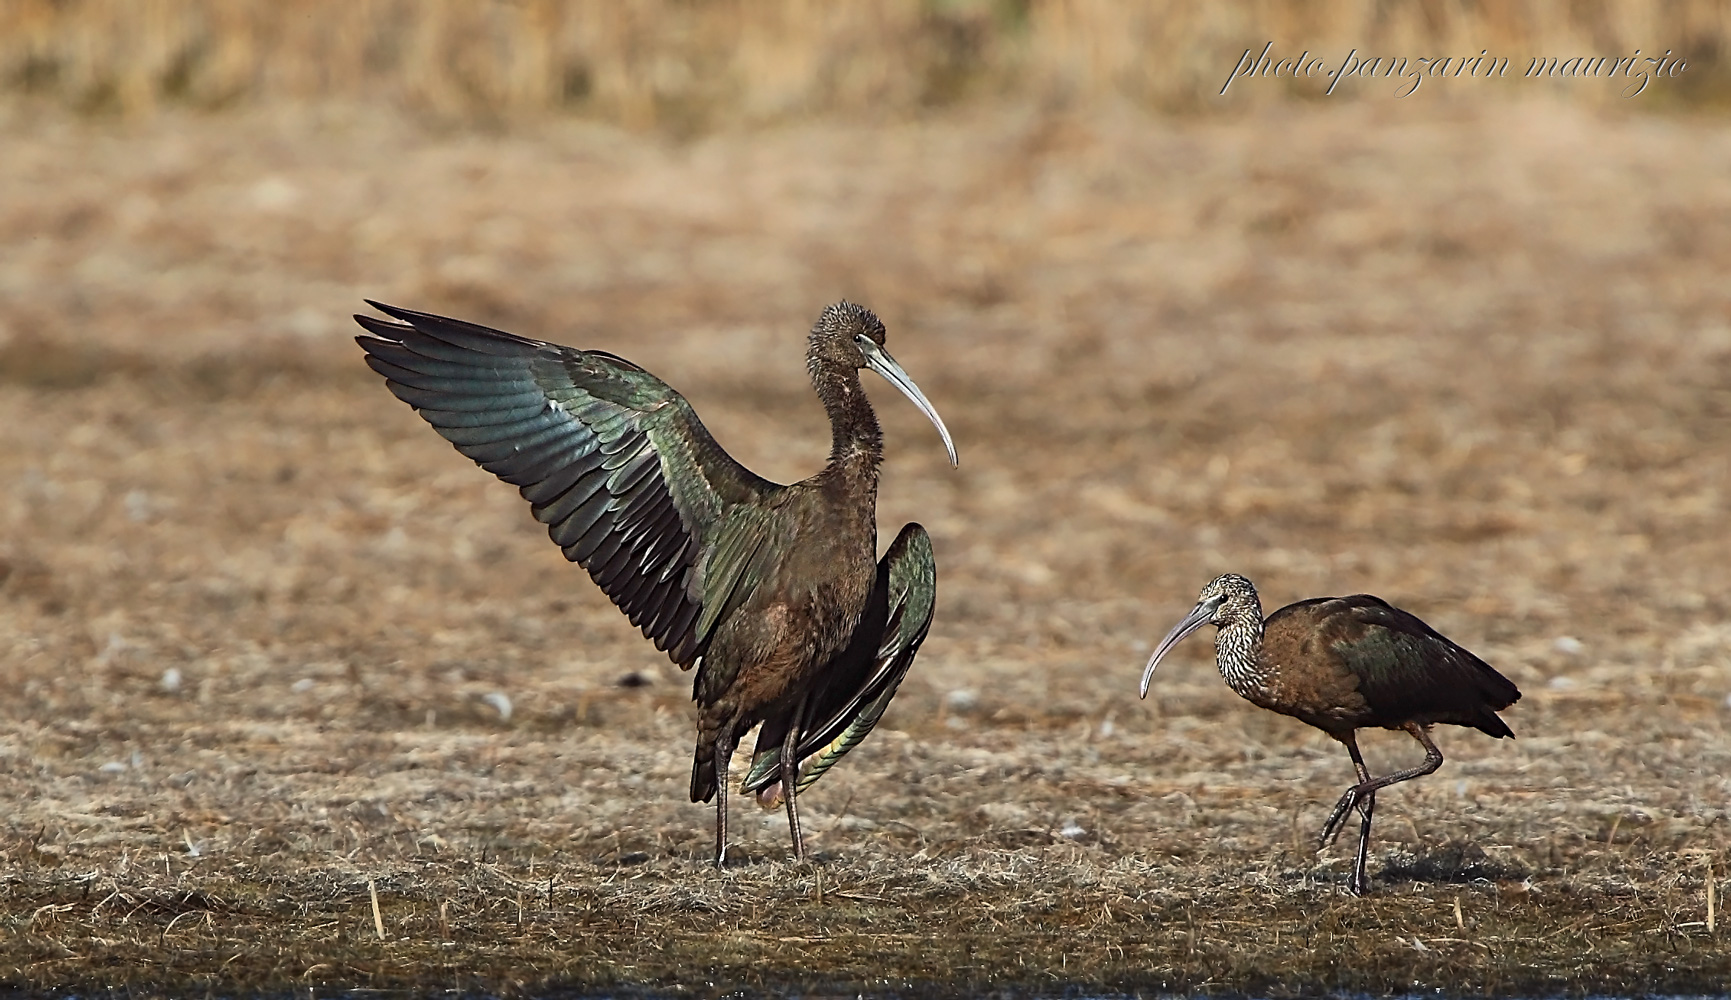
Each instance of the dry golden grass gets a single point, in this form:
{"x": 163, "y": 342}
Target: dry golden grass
{"x": 1472, "y": 358}
{"x": 690, "y": 66}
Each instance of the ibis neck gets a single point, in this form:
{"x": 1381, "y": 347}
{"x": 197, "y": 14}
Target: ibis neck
{"x": 1238, "y": 653}
{"x": 856, "y": 440}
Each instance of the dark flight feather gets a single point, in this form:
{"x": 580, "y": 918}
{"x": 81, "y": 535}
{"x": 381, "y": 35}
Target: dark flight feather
{"x": 617, "y": 465}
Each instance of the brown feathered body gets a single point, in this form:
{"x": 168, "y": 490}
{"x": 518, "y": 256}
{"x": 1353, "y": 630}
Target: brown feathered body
{"x": 767, "y": 657}
{"x": 1346, "y": 663}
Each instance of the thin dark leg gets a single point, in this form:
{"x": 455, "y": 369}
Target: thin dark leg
{"x": 1367, "y": 809}
{"x": 1368, "y": 804}
{"x": 1365, "y": 792}
{"x": 790, "y": 781}
{"x": 723, "y": 755}
{"x": 1361, "y": 884}
{"x": 1331, "y": 829}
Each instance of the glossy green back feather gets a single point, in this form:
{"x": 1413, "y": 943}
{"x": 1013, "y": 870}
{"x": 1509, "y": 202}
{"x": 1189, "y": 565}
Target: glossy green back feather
{"x": 1408, "y": 670}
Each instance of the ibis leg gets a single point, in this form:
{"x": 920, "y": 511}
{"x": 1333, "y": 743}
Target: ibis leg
{"x": 1365, "y": 793}
{"x": 1367, "y": 809}
{"x": 790, "y": 781}
{"x": 1361, "y": 884}
{"x": 1331, "y": 829}
{"x": 723, "y": 755}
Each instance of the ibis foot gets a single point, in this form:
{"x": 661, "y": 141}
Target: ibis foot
{"x": 1363, "y": 796}
{"x": 1364, "y": 800}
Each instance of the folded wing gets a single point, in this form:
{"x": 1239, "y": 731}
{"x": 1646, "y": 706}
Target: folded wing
{"x": 1406, "y": 669}
{"x": 865, "y": 677}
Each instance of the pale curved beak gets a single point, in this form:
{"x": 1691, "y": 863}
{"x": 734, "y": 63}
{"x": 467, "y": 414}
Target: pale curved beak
{"x": 879, "y": 360}
{"x": 1199, "y": 616}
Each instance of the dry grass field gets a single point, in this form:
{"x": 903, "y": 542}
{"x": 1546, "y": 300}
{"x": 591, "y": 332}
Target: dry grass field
{"x": 255, "y": 617}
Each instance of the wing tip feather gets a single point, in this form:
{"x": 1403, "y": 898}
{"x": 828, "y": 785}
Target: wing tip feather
{"x": 659, "y": 601}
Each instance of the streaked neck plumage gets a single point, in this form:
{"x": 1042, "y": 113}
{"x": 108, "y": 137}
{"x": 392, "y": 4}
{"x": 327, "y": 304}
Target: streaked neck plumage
{"x": 1238, "y": 652}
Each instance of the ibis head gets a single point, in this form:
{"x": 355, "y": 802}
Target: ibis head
{"x": 848, "y": 338}
{"x": 1229, "y": 599}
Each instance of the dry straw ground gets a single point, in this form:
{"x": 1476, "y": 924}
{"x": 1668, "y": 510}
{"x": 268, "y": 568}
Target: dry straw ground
{"x": 1475, "y": 358}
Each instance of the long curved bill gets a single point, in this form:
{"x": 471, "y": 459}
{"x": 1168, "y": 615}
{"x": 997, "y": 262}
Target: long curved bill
{"x": 879, "y": 360}
{"x": 1199, "y": 616}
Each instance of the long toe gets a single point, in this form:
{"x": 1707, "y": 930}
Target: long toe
{"x": 1331, "y": 828}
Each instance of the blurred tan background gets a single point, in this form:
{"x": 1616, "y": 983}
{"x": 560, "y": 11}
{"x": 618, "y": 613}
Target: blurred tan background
{"x": 1469, "y": 350}
{"x": 688, "y": 67}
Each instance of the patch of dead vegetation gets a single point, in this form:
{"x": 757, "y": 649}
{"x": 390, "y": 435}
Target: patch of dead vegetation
{"x": 1044, "y": 917}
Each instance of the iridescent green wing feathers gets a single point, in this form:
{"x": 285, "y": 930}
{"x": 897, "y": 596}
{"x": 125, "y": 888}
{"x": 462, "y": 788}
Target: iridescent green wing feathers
{"x": 1406, "y": 669}
{"x": 628, "y": 481}
{"x": 855, "y": 697}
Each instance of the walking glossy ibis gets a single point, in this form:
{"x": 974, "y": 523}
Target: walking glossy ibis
{"x": 772, "y": 591}
{"x": 1342, "y": 664}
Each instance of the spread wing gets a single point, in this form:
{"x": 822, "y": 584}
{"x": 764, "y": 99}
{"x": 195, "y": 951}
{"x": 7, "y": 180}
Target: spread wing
{"x": 866, "y": 676}
{"x": 1406, "y": 669}
{"x": 615, "y": 463}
